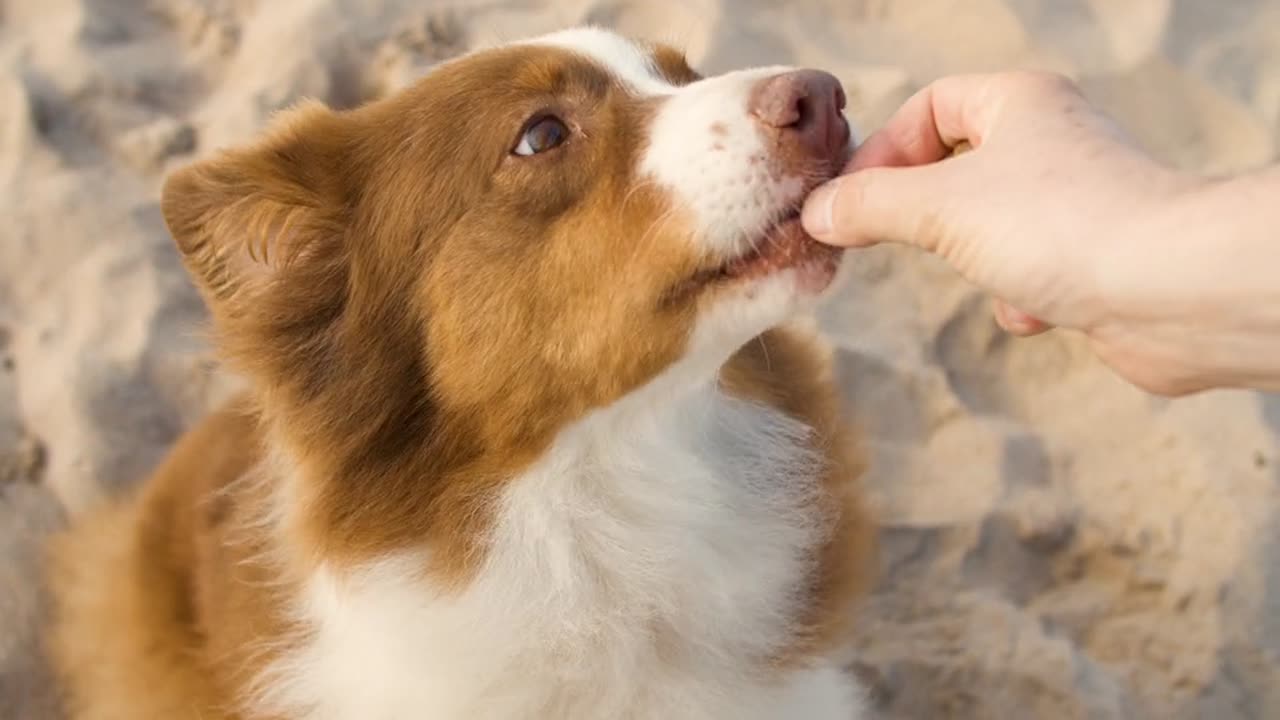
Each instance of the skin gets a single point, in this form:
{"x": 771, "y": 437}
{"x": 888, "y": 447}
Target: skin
{"x": 1059, "y": 215}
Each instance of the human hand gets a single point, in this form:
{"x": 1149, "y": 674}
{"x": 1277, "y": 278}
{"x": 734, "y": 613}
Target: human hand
{"x": 1033, "y": 213}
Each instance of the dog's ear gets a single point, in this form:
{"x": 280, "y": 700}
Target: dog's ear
{"x": 243, "y": 217}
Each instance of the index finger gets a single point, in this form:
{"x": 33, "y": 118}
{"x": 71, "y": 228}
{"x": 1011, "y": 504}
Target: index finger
{"x": 930, "y": 124}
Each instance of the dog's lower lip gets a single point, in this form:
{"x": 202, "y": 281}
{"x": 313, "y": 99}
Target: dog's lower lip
{"x": 785, "y": 244}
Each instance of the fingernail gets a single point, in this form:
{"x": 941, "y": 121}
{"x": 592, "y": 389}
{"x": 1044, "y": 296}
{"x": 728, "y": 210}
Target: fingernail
{"x": 1017, "y": 322}
{"x": 818, "y": 209}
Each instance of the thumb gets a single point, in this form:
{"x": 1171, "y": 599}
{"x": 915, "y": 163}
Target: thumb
{"x": 882, "y": 204}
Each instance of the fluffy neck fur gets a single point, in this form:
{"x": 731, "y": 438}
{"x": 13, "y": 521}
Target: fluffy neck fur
{"x": 648, "y": 565}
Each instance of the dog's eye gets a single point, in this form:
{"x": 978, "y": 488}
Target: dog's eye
{"x": 542, "y": 135}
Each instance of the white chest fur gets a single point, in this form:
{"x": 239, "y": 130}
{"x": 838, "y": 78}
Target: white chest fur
{"x": 643, "y": 569}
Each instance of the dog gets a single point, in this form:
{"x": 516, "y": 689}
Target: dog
{"x": 534, "y": 424}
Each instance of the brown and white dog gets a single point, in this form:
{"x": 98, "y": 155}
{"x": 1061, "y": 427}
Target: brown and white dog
{"x": 526, "y": 436}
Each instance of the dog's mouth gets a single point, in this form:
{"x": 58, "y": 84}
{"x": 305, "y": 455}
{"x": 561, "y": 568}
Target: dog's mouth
{"x": 784, "y": 245}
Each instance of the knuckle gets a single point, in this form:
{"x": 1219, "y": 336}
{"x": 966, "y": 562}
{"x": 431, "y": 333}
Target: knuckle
{"x": 1165, "y": 385}
{"x": 933, "y": 232}
{"x": 1039, "y": 84}
{"x": 1158, "y": 387}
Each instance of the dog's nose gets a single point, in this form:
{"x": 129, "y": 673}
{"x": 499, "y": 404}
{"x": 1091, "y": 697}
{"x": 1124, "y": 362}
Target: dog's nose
{"x": 804, "y": 107}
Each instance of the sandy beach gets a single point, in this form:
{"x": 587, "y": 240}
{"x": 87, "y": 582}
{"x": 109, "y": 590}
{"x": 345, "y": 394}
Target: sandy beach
{"x": 1056, "y": 544}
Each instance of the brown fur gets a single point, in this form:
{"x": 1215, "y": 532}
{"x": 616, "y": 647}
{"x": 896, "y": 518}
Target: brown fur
{"x": 410, "y": 349}
{"x": 159, "y": 600}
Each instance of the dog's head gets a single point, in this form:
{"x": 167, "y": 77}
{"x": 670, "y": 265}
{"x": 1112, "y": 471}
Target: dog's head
{"x": 528, "y": 233}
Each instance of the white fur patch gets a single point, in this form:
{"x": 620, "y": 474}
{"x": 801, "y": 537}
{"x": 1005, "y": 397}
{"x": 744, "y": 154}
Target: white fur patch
{"x": 644, "y": 568}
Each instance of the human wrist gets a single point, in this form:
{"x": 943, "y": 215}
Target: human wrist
{"x": 1147, "y": 230}
{"x": 1187, "y": 286}
{"x": 1148, "y": 293}
{"x": 1235, "y": 266}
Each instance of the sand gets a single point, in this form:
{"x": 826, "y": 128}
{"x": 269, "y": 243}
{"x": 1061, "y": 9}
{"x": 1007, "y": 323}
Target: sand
{"x": 1056, "y": 544}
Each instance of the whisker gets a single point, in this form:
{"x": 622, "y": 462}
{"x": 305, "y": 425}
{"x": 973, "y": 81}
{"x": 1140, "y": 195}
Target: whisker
{"x": 646, "y": 183}
{"x": 764, "y": 347}
{"x": 659, "y": 223}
